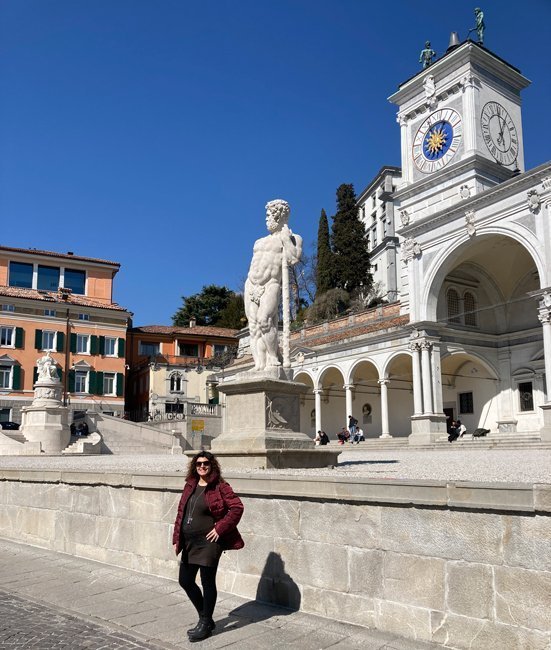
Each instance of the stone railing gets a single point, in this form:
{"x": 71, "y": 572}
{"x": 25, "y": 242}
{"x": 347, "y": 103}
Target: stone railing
{"x": 465, "y": 565}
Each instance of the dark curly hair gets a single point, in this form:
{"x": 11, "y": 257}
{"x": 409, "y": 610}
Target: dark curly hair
{"x": 215, "y": 473}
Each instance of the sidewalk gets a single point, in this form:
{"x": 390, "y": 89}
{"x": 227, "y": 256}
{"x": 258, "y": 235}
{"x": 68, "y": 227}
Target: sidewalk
{"x": 49, "y": 600}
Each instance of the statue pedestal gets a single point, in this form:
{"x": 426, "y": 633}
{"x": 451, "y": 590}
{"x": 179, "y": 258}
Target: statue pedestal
{"x": 262, "y": 425}
{"x": 46, "y": 421}
{"x": 427, "y": 428}
{"x": 545, "y": 431}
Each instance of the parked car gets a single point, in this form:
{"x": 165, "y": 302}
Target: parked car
{"x": 10, "y": 425}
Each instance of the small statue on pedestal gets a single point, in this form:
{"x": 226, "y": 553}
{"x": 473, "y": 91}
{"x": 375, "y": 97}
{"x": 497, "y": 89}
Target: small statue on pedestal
{"x": 47, "y": 368}
{"x": 427, "y": 55}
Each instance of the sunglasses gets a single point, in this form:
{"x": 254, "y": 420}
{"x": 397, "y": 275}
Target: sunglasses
{"x": 202, "y": 463}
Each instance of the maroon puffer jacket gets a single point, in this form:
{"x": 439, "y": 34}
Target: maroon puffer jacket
{"x": 225, "y": 506}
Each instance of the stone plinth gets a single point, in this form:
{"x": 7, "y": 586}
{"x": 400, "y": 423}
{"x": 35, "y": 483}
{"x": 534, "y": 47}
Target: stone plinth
{"x": 427, "y": 428}
{"x": 262, "y": 426}
{"x": 545, "y": 431}
{"x": 46, "y": 421}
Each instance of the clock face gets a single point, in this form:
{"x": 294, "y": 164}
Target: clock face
{"x": 437, "y": 140}
{"x": 499, "y": 133}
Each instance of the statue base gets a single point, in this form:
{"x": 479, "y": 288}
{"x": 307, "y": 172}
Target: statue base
{"x": 261, "y": 426}
{"x": 427, "y": 428}
{"x": 46, "y": 421}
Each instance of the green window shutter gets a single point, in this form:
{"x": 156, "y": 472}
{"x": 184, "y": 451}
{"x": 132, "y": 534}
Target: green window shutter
{"x": 102, "y": 345}
{"x": 71, "y": 385}
{"x": 19, "y": 336}
{"x": 94, "y": 345}
{"x": 120, "y": 384}
{"x": 73, "y": 343}
{"x": 16, "y": 378}
{"x": 60, "y": 341}
{"x": 121, "y": 347}
{"x": 99, "y": 383}
{"x": 35, "y": 375}
{"x": 92, "y": 375}
{"x": 60, "y": 374}
{"x": 38, "y": 339}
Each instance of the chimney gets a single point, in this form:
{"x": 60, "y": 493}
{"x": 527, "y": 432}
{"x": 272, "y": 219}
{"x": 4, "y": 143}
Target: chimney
{"x": 192, "y": 322}
{"x": 454, "y": 42}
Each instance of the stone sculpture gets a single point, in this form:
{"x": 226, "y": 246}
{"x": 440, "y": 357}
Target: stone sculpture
{"x": 267, "y": 279}
{"x": 46, "y": 367}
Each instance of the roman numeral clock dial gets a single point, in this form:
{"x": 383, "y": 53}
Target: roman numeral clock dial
{"x": 499, "y": 133}
{"x": 437, "y": 140}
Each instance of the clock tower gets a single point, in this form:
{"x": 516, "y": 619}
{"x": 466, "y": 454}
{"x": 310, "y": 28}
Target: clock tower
{"x": 461, "y": 132}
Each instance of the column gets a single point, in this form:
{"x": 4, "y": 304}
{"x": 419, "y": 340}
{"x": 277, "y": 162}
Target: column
{"x": 417, "y": 386}
{"x": 426, "y": 374}
{"x": 383, "y": 383}
{"x": 545, "y": 320}
{"x": 469, "y": 113}
{"x": 405, "y": 148}
{"x": 317, "y": 406}
{"x": 436, "y": 380}
{"x": 348, "y": 392}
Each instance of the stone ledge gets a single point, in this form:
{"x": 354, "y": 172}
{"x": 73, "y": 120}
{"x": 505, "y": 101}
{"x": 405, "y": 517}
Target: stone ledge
{"x": 465, "y": 495}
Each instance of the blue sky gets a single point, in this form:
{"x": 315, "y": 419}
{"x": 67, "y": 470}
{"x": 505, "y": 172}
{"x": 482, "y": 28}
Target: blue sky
{"x": 153, "y": 132}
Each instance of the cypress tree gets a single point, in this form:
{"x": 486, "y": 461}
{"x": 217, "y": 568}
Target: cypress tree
{"x": 324, "y": 268}
{"x": 350, "y": 244}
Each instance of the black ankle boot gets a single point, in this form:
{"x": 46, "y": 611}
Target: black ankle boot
{"x": 203, "y": 630}
{"x": 194, "y": 629}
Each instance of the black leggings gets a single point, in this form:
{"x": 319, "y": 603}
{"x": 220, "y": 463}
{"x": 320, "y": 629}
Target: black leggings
{"x": 203, "y": 602}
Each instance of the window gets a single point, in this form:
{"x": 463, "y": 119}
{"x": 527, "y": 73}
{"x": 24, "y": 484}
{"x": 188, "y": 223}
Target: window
{"x": 83, "y": 343}
{"x": 374, "y": 237}
{"x": 49, "y": 312}
{"x": 5, "y": 376}
{"x": 466, "y": 403}
{"x": 189, "y": 349}
{"x": 84, "y": 316}
{"x": 149, "y": 349}
{"x": 75, "y": 280}
{"x": 5, "y": 415}
{"x": 8, "y": 307}
{"x": 110, "y": 346}
{"x": 470, "y": 309}
{"x": 48, "y": 278}
{"x": 220, "y": 349}
{"x": 174, "y": 408}
{"x": 48, "y": 340}
{"x": 81, "y": 381}
{"x": 526, "y": 396}
{"x": 109, "y": 385}
{"x": 7, "y": 337}
{"x": 176, "y": 383}
{"x": 453, "y": 306}
{"x": 21, "y": 275}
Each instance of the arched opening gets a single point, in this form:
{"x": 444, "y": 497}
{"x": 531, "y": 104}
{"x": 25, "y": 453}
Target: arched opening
{"x": 400, "y": 394}
{"x": 307, "y": 405}
{"x": 333, "y": 404}
{"x": 470, "y": 391}
{"x": 366, "y": 398}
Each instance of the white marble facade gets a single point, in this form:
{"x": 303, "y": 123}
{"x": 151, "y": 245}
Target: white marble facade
{"x": 462, "y": 245}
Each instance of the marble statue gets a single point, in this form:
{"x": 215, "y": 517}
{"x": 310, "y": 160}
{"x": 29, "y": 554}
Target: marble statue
{"x": 267, "y": 279}
{"x": 47, "y": 368}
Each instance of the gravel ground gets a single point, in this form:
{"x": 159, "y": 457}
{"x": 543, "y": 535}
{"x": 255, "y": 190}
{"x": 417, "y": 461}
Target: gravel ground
{"x": 496, "y": 465}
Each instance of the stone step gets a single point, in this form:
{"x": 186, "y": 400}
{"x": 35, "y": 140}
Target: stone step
{"x": 14, "y": 435}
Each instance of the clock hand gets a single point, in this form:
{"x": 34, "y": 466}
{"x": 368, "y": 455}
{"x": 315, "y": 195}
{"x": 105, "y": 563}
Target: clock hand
{"x": 500, "y": 138}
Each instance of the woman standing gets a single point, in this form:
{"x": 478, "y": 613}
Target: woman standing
{"x": 206, "y": 525}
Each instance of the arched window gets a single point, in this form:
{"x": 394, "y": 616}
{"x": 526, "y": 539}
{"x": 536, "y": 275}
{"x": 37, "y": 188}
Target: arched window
{"x": 453, "y": 306}
{"x": 470, "y": 309}
{"x": 176, "y": 383}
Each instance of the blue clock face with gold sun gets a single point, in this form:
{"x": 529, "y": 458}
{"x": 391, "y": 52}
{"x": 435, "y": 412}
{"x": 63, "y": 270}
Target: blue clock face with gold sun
{"x": 437, "y": 140}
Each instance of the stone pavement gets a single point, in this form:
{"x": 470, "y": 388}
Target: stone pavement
{"x": 50, "y": 601}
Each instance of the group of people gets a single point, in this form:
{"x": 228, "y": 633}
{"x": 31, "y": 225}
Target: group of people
{"x": 353, "y": 434}
{"x": 457, "y": 430}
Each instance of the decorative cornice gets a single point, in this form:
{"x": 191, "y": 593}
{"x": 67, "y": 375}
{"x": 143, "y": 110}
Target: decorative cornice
{"x": 514, "y": 185}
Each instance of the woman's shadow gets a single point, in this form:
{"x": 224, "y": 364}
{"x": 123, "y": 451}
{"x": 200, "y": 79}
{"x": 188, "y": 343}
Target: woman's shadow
{"x": 277, "y": 594}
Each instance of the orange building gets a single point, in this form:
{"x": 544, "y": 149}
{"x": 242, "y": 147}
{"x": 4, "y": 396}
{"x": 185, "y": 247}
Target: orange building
{"x": 61, "y": 303}
{"x": 170, "y": 366}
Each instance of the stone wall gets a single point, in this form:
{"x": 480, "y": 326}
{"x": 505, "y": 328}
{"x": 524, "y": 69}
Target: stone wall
{"x": 465, "y": 565}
